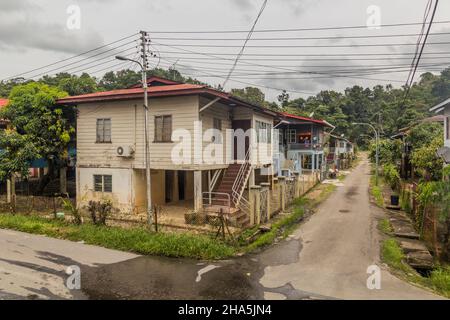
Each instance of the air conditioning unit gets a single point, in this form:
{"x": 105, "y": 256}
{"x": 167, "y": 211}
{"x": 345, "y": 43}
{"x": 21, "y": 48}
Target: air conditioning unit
{"x": 125, "y": 151}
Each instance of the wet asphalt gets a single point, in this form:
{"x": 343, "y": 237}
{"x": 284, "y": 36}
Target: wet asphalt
{"x": 168, "y": 278}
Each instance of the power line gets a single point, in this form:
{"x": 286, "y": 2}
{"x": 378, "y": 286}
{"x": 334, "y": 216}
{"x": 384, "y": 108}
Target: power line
{"x": 300, "y": 38}
{"x": 313, "y": 54}
{"x": 64, "y": 69}
{"x": 305, "y": 60}
{"x": 420, "y": 53}
{"x": 302, "y": 46}
{"x": 249, "y": 35}
{"x": 295, "y": 29}
{"x": 69, "y": 58}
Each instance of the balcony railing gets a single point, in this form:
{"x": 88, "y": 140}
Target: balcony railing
{"x": 305, "y": 146}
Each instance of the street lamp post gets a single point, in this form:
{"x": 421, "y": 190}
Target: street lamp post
{"x": 146, "y": 142}
{"x": 376, "y": 147}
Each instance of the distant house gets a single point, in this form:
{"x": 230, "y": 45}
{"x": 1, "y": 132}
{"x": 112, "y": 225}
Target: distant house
{"x": 443, "y": 108}
{"x": 340, "y": 150}
{"x": 301, "y": 144}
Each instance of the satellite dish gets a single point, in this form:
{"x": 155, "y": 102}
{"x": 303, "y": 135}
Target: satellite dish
{"x": 311, "y": 114}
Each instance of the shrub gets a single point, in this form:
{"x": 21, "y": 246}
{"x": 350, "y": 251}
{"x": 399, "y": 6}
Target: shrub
{"x": 99, "y": 211}
{"x": 392, "y": 176}
{"x": 426, "y": 162}
{"x": 69, "y": 206}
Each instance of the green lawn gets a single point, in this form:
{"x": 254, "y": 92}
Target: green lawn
{"x": 137, "y": 240}
{"x": 376, "y": 192}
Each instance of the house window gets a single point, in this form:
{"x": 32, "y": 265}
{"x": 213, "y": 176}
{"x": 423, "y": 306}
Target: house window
{"x": 263, "y": 132}
{"x": 103, "y": 130}
{"x": 292, "y": 136}
{"x": 102, "y": 183}
{"x": 447, "y": 126}
{"x": 163, "y": 128}
{"x": 217, "y": 125}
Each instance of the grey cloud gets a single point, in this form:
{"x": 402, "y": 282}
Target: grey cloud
{"x": 26, "y": 34}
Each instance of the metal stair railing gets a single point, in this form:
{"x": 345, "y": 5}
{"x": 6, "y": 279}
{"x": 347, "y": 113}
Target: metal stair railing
{"x": 239, "y": 183}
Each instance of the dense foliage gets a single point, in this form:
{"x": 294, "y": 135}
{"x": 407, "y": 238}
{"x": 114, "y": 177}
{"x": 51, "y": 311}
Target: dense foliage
{"x": 38, "y": 128}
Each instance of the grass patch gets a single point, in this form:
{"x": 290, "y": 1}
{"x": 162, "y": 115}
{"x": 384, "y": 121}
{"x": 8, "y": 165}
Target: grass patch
{"x": 283, "y": 227}
{"x": 439, "y": 279}
{"x": 385, "y": 226}
{"x": 137, "y": 240}
{"x": 376, "y": 192}
{"x": 393, "y": 255}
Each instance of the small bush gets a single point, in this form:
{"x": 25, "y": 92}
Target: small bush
{"x": 69, "y": 206}
{"x": 392, "y": 176}
{"x": 100, "y": 211}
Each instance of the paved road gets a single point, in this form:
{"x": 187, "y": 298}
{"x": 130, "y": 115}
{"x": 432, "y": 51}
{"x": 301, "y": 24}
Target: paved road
{"x": 340, "y": 241}
{"x": 33, "y": 267}
{"x": 326, "y": 257}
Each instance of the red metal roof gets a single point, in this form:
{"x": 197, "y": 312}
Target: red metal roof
{"x": 176, "y": 89}
{"x": 318, "y": 121}
{"x": 154, "y": 80}
{"x": 3, "y": 102}
{"x": 169, "y": 90}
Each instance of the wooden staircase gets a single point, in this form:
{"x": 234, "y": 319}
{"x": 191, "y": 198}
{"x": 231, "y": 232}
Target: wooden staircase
{"x": 228, "y": 194}
{"x": 226, "y": 185}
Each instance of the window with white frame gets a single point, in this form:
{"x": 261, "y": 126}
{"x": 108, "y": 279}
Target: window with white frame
{"x": 103, "y": 131}
{"x": 102, "y": 183}
{"x": 292, "y": 136}
{"x": 263, "y": 132}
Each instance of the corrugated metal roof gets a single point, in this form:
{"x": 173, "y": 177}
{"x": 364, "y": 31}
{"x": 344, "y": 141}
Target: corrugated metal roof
{"x": 318, "y": 121}
{"x": 176, "y": 89}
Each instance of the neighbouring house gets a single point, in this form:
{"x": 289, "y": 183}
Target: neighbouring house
{"x": 191, "y": 164}
{"x": 301, "y": 145}
{"x": 443, "y": 108}
{"x": 340, "y": 152}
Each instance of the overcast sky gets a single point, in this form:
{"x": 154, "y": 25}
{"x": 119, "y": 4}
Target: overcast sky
{"x": 34, "y": 33}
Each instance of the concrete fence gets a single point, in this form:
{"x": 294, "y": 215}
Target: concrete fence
{"x": 267, "y": 200}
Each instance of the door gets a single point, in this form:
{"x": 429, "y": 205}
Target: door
{"x": 169, "y": 185}
{"x": 244, "y": 125}
{"x": 181, "y": 184}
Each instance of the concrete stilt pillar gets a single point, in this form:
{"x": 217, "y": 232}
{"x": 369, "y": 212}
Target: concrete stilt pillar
{"x": 282, "y": 184}
{"x": 265, "y": 187}
{"x": 297, "y": 183}
{"x": 198, "y": 201}
{"x": 255, "y": 214}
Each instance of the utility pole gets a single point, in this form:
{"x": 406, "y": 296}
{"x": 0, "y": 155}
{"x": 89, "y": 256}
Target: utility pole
{"x": 147, "y": 146}
{"x": 144, "y": 67}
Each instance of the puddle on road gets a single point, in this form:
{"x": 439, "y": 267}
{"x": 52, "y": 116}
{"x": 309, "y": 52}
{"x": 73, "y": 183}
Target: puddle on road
{"x": 148, "y": 277}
